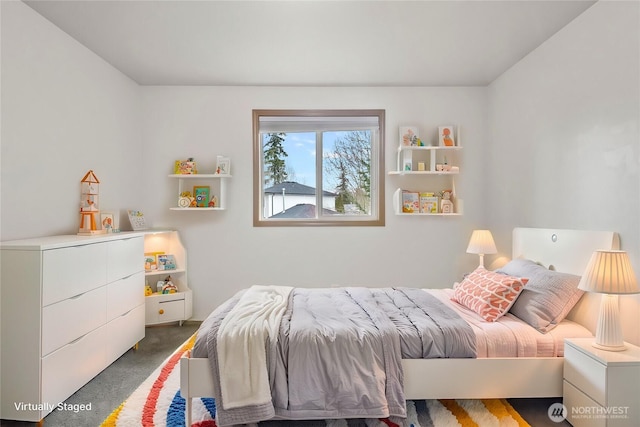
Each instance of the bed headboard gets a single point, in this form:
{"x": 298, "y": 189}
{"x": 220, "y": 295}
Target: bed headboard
{"x": 567, "y": 251}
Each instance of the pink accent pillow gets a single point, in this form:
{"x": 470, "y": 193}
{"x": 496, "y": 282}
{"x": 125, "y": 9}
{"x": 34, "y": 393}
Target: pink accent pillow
{"x": 487, "y": 293}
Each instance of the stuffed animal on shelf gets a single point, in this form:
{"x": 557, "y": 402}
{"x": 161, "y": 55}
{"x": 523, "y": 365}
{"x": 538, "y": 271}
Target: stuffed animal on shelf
{"x": 169, "y": 287}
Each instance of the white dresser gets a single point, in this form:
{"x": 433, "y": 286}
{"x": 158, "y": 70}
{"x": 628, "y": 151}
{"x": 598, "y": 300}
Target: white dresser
{"x": 71, "y": 305}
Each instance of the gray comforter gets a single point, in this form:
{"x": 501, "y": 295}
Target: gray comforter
{"x": 339, "y": 351}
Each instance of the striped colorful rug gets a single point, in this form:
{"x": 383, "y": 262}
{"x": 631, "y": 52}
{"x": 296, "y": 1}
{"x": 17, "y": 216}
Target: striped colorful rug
{"x": 157, "y": 402}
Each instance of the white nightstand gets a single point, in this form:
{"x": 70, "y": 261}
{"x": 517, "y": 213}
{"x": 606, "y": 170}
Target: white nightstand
{"x": 601, "y": 388}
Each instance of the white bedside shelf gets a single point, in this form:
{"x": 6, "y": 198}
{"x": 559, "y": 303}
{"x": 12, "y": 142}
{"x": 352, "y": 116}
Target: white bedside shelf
{"x": 601, "y": 388}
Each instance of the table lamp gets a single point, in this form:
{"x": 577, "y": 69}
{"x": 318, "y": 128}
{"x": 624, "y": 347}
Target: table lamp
{"x": 481, "y": 243}
{"x": 609, "y": 273}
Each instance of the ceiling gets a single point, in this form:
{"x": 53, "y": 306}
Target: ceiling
{"x": 311, "y": 43}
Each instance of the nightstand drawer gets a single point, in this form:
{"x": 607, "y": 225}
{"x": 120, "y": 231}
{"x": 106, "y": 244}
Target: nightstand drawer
{"x": 171, "y": 310}
{"x": 585, "y": 373}
{"x": 581, "y": 410}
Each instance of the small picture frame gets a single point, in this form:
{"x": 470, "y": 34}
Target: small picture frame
{"x": 136, "y": 218}
{"x": 108, "y": 222}
{"x": 201, "y": 195}
{"x": 223, "y": 166}
{"x": 446, "y": 136}
{"x": 409, "y": 136}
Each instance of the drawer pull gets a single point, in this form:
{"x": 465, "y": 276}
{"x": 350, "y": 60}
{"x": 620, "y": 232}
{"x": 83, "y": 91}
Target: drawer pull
{"x": 127, "y": 313}
{"x": 77, "y": 296}
{"x": 77, "y": 339}
{"x": 161, "y": 311}
{"x": 126, "y": 277}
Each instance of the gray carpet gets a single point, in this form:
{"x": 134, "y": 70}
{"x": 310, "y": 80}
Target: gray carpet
{"x": 113, "y": 385}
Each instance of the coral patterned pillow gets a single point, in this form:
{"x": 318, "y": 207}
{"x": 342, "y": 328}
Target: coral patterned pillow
{"x": 487, "y": 293}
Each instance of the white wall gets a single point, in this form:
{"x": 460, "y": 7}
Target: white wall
{"x": 64, "y": 111}
{"x": 562, "y": 152}
{"x": 226, "y": 253}
{"x": 564, "y": 137}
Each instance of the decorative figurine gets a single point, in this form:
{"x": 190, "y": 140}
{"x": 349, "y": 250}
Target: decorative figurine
{"x": 446, "y": 205}
{"x": 89, "y": 206}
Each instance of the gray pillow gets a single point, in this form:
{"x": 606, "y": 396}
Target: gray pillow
{"x": 547, "y": 297}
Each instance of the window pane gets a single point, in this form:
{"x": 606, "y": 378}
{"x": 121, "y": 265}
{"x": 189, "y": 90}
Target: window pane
{"x": 346, "y": 166}
{"x": 289, "y": 161}
{"x": 320, "y": 167}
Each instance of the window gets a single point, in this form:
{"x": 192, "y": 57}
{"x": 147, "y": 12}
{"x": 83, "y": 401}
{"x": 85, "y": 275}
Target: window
{"x": 318, "y": 167}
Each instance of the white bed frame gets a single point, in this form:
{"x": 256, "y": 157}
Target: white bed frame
{"x": 566, "y": 250}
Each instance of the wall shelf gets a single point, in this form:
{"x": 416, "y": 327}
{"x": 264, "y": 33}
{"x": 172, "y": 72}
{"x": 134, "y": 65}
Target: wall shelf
{"x": 397, "y": 207}
{"x": 428, "y": 163}
{"x": 221, "y": 188}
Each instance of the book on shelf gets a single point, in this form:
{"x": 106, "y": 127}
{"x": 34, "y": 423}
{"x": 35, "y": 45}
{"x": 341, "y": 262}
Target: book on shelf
{"x": 428, "y": 203}
{"x": 151, "y": 260}
{"x": 410, "y": 201}
{"x": 166, "y": 262}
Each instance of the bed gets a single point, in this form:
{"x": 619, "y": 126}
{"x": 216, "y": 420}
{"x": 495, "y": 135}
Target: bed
{"x": 527, "y": 373}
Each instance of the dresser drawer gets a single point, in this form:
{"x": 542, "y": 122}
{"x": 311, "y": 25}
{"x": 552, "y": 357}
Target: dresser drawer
{"x": 124, "y": 295}
{"x": 124, "y": 258}
{"x": 72, "y": 318}
{"x": 124, "y": 332}
{"x": 585, "y": 373}
{"x": 581, "y": 410}
{"x": 66, "y": 370}
{"x": 71, "y": 271}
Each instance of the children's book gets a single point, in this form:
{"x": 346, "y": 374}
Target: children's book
{"x": 410, "y": 202}
{"x": 166, "y": 262}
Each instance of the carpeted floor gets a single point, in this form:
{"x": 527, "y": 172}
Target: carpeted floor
{"x": 111, "y": 387}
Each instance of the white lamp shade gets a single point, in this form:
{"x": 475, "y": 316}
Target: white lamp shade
{"x": 609, "y": 272}
{"x": 481, "y": 242}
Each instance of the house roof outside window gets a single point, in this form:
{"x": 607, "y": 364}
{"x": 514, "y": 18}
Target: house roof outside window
{"x": 302, "y": 210}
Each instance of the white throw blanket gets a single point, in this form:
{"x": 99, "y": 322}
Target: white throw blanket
{"x": 242, "y": 337}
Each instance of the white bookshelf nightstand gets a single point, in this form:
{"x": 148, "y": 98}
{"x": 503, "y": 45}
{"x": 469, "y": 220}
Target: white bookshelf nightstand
{"x": 601, "y": 388}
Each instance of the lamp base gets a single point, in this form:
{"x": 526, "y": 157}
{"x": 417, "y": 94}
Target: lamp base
{"x": 609, "y": 347}
{"x": 608, "y": 331}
